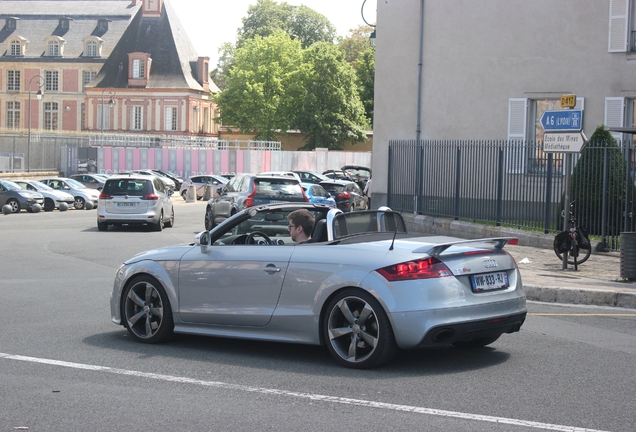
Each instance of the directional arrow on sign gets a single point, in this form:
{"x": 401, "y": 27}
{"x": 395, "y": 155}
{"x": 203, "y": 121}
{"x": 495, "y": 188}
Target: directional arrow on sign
{"x": 563, "y": 120}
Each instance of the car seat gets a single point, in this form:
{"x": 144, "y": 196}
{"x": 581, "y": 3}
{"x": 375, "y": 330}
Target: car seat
{"x": 319, "y": 234}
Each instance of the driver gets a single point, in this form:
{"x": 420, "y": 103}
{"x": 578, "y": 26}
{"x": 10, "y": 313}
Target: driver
{"x": 301, "y": 224}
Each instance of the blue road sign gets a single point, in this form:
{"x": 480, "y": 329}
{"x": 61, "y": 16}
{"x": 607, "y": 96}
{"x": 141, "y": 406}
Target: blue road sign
{"x": 562, "y": 120}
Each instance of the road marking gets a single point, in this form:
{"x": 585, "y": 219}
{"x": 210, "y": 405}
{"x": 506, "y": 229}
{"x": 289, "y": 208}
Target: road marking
{"x": 581, "y": 315}
{"x": 310, "y": 396}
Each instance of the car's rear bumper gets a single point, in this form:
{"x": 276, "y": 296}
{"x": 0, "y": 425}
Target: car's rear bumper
{"x": 128, "y": 219}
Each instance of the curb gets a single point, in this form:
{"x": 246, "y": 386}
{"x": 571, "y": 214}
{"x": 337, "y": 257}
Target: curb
{"x": 580, "y": 296}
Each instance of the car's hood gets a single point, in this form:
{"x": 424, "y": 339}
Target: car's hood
{"x": 170, "y": 253}
{"x": 55, "y": 194}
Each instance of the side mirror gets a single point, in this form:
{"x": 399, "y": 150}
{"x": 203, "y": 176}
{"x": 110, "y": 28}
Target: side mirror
{"x": 202, "y": 239}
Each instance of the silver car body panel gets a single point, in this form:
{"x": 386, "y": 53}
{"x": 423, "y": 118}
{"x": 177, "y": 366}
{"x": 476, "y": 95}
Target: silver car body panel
{"x": 86, "y": 194}
{"x": 278, "y": 293}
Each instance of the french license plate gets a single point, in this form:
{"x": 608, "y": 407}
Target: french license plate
{"x": 489, "y": 281}
{"x": 276, "y": 202}
{"x": 126, "y": 204}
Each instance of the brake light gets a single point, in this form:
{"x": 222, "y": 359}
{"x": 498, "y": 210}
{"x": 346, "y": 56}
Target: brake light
{"x": 150, "y": 197}
{"x": 420, "y": 269}
{"x": 344, "y": 195}
{"x": 104, "y": 196}
{"x": 249, "y": 201}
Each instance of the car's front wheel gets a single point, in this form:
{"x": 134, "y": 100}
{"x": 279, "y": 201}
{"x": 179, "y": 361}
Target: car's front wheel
{"x": 80, "y": 203}
{"x": 14, "y": 204}
{"x": 209, "y": 218}
{"x": 49, "y": 205}
{"x": 357, "y": 330}
{"x": 146, "y": 310}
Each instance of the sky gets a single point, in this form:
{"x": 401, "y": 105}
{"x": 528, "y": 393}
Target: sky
{"x": 210, "y": 23}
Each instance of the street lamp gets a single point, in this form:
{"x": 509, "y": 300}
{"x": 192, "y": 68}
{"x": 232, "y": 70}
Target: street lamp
{"x": 38, "y": 95}
{"x": 373, "y": 33}
{"x": 111, "y": 103}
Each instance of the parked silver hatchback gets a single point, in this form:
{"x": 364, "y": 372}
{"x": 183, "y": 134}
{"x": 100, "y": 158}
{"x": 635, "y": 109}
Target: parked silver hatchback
{"x": 135, "y": 199}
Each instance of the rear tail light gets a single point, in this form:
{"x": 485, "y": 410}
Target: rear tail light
{"x": 419, "y": 269}
{"x": 150, "y": 197}
{"x": 249, "y": 201}
{"x": 344, "y": 195}
{"x": 104, "y": 196}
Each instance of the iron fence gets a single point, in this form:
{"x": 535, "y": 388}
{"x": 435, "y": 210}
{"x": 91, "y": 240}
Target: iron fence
{"x": 515, "y": 184}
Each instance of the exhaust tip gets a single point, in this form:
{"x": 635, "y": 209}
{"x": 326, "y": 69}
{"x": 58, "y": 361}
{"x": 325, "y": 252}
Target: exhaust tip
{"x": 443, "y": 335}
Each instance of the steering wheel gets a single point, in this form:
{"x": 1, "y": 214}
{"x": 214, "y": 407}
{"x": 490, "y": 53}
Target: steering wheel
{"x": 250, "y": 238}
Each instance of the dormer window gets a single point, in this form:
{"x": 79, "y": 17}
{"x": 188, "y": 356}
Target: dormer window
{"x": 16, "y": 46}
{"x": 11, "y": 23}
{"x": 64, "y": 23}
{"x": 138, "y": 69}
{"x": 102, "y": 25}
{"x": 92, "y": 46}
{"x": 54, "y": 46}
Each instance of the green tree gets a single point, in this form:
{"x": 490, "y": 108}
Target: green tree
{"x": 219, "y": 75}
{"x": 263, "y": 76}
{"x": 356, "y": 43}
{"x": 329, "y": 109}
{"x": 300, "y": 22}
{"x": 587, "y": 187}
{"x": 365, "y": 78}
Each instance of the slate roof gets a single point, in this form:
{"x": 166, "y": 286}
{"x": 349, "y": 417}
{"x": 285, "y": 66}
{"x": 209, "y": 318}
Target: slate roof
{"x": 39, "y": 19}
{"x": 174, "y": 59}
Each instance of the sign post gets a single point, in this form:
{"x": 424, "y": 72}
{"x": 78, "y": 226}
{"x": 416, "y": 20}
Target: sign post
{"x": 563, "y": 134}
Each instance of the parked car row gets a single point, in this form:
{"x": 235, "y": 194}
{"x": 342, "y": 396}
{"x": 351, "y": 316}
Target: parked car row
{"x": 48, "y": 193}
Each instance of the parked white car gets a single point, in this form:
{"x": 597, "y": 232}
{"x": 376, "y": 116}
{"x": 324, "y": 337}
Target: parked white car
{"x": 52, "y": 198}
{"x": 81, "y": 193}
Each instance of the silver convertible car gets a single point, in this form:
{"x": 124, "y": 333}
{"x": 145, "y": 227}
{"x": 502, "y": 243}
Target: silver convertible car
{"x": 362, "y": 286}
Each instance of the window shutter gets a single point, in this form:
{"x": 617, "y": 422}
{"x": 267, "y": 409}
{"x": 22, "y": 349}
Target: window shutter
{"x": 580, "y": 103}
{"x": 618, "y": 25}
{"x": 615, "y": 115}
{"x": 517, "y": 133}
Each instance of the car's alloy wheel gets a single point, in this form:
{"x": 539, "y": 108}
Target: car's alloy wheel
{"x": 79, "y": 203}
{"x": 183, "y": 194}
{"x": 357, "y": 330}
{"x": 159, "y": 225}
{"x": 49, "y": 205}
{"x": 170, "y": 222}
{"x": 146, "y": 310}
{"x": 15, "y": 205}
{"x": 209, "y": 219}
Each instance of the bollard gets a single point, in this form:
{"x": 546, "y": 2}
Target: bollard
{"x": 208, "y": 192}
{"x": 36, "y": 208}
{"x": 191, "y": 194}
{"x": 62, "y": 206}
{"x": 628, "y": 255}
{"x": 6, "y": 209}
{"x": 88, "y": 205}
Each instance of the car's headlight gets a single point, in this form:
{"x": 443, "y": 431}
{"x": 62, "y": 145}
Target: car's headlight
{"x": 25, "y": 194}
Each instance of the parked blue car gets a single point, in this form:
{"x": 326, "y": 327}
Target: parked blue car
{"x": 318, "y": 195}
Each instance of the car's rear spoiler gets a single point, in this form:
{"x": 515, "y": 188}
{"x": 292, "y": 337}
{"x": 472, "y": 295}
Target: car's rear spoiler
{"x": 438, "y": 249}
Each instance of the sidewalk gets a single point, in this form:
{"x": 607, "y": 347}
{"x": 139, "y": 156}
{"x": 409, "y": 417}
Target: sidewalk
{"x": 597, "y": 281}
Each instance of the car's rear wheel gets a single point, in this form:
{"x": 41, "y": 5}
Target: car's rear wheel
{"x": 183, "y": 194}
{"x": 14, "y": 204}
{"x": 357, "y": 330}
{"x": 159, "y": 225}
{"x": 80, "y": 203}
{"x": 476, "y": 343}
{"x": 146, "y": 310}
{"x": 170, "y": 222}
{"x": 102, "y": 226}
{"x": 209, "y": 219}
{"x": 49, "y": 205}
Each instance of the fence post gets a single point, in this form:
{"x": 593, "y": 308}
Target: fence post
{"x": 548, "y": 195}
{"x": 419, "y": 168}
{"x": 389, "y": 183}
{"x": 457, "y": 181}
{"x": 498, "y": 215}
{"x": 629, "y": 202}
{"x": 602, "y": 246}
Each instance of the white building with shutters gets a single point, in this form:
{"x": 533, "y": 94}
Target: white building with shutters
{"x": 488, "y": 69}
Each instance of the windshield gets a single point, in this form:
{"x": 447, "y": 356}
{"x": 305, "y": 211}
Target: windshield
{"x": 75, "y": 184}
{"x": 9, "y": 185}
{"x": 40, "y": 186}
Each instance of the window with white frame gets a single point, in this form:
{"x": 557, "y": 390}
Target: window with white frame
{"x": 171, "y": 118}
{"x": 16, "y": 48}
{"x": 102, "y": 25}
{"x": 13, "y": 81}
{"x": 103, "y": 117}
{"x": 136, "y": 121}
{"x": 91, "y": 49}
{"x": 87, "y": 77}
{"x": 13, "y": 115}
{"x": 138, "y": 69}
{"x": 51, "y": 115}
{"x": 51, "y": 81}
{"x": 53, "y": 48}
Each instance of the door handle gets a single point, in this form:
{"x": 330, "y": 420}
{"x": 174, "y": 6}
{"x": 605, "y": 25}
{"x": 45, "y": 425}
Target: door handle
{"x": 271, "y": 268}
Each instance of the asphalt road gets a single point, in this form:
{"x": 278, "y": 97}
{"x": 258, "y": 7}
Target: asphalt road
{"x": 64, "y": 366}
